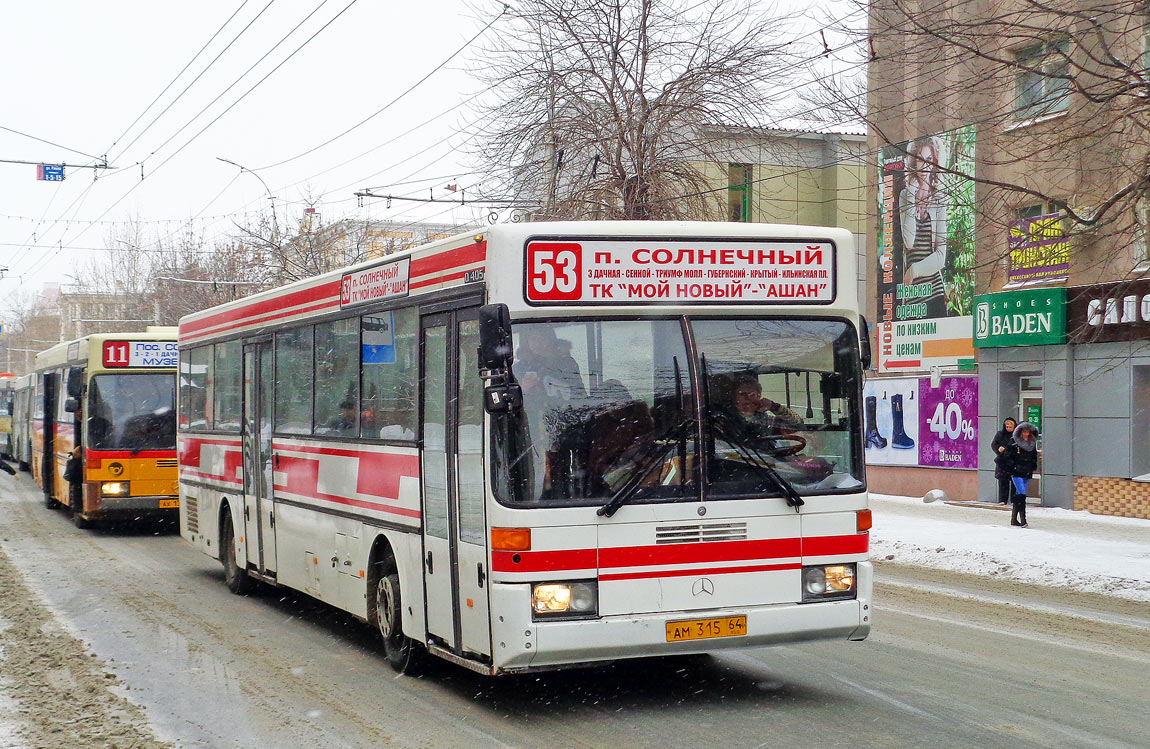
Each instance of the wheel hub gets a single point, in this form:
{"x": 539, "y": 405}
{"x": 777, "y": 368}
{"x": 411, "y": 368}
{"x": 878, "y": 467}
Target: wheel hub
{"x": 385, "y": 605}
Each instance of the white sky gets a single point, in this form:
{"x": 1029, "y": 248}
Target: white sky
{"x": 78, "y": 73}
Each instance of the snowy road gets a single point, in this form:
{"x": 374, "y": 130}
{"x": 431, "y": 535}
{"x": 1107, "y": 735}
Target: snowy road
{"x": 954, "y": 660}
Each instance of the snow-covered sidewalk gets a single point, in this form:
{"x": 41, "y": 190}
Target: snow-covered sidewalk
{"x": 1068, "y": 548}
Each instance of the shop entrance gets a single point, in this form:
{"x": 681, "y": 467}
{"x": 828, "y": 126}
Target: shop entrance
{"x": 1021, "y": 396}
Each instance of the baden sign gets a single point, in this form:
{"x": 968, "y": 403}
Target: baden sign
{"x": 1032, "y": 317}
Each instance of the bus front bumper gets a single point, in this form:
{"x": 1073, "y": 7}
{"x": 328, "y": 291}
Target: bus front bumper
{"x": 111, "y": 506}
{"x": 521, "y": 644}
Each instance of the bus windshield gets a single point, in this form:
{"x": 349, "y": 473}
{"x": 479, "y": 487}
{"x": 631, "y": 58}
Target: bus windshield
{"x": 610, "y": 407}
{"x": 132, "y": 412}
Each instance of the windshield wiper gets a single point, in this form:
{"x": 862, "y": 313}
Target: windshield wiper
{"x": 644, "y": 463}
{"x": 759, "y": 461}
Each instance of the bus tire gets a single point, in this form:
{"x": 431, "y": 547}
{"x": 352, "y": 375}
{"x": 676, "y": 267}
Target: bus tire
{"x": 404, "y": 654}
{"x": 237, "y": 579}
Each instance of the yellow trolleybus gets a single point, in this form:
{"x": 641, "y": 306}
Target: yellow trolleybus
{"x": 104, "y": 425}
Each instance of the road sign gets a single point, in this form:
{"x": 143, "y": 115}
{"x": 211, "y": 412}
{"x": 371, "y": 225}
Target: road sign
{"x": 50, "y": 172}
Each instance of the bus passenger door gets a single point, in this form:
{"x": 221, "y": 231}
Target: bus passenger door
{"x": 471, "y": 531}
{"x": 438, "y": 570}
{"x": 454, "y": 521}
{"x": 259, "y": 511}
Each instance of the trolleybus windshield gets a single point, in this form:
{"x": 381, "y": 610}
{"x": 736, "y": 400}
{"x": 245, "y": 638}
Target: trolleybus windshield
{"x": 132, "y": 412}
{"x": 610, "y": 407}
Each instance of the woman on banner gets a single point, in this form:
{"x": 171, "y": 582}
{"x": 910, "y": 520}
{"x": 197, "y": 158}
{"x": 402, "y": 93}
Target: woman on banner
{"x": 923, "y": 222}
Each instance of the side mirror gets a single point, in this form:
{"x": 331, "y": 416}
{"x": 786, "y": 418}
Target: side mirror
{"x": 72, "y": 405}
{"x": 494, "y": 337}
{"x": 864, "y": 342}
{"x": 501, "y": 393}
{"x": 75, "y": 386}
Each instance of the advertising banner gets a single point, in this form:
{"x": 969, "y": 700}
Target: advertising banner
{"x": 1039, "y": 250}
{"x": 910, "y": 423}
{"x": 948, "y": 428}
{"x": 1031, "y": 317}
{"x": 891, "y": 411}
{"x": 665, "y": 270}
{"x": 926, "y": 253}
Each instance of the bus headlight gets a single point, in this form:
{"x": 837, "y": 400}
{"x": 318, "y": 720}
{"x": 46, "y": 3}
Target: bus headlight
{"x": 564, "y": 600}
{"x": 828, "y": 582}
{"x": 114, "y": 489}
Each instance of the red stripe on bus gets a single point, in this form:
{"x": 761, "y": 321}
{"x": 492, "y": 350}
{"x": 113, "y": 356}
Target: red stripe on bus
{"x": 824, "y": 546}
{"x": 439, "y": 279}
{"x": 543, "y": 561}
{"x": 466, "y": 255}
{"x": 650, "y": 556}
{"x": 379, "y": 473}
{"x": 710, "y": 551}
{"x": 332, "y": 302}
{"x": 303, "y": 296}
{"x": 699, "y": 571}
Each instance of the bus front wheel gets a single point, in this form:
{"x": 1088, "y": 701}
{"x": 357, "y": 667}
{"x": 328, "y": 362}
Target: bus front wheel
{"x": 403, "y": 653}
{"x": 236, "y": 578}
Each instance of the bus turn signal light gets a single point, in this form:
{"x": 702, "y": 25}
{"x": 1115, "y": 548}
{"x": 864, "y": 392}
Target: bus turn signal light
{"x": 863, "y": 521}
{"x": 511, "y": 539}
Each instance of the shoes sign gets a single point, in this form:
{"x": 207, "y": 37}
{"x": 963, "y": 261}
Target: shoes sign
{"x": 1032, "y": 317}
{"x": 909, "y": 422}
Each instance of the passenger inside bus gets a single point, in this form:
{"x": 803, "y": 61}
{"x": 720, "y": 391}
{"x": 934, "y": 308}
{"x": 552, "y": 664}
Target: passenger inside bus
{"x": 762, "y": 417}
{"x": 552, "y": 382}
{"x": 345, "y": 423}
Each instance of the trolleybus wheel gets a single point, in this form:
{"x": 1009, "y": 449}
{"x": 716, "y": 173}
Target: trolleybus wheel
{"x": 403, "y": 653}
{"x": 236, "y": 578}
{"x": 50, "y": 501}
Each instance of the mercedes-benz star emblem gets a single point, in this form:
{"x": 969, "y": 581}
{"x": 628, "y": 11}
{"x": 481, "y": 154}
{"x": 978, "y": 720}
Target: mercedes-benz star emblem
{"x": 703, "y": 585}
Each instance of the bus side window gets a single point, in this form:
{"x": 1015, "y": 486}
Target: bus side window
{"x": 226, "y": 383}
{"x": 293, "y": 381}
{"x": 389, "y": 375}
{"x": 337, "y": 378}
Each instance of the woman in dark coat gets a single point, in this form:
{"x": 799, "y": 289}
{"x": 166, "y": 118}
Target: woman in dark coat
{"x": 1001, "y": 470}
{"x": 1022, "y": 456}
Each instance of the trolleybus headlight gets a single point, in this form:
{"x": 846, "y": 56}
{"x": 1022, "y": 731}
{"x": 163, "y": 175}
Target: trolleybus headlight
{"x": 829, "y": 581}
{"x": 564, "y": 600}
{"x": 114, "y": 488}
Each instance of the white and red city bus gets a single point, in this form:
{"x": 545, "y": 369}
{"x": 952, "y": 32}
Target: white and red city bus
{"x": 546, "y": 444}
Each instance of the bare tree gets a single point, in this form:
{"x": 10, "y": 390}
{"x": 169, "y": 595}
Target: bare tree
{"x": 608, "y": 109}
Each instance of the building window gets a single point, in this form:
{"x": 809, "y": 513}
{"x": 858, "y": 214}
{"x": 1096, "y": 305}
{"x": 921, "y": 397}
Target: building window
{"x": 1042, "y": 85}
{"x": 739, "y": 192}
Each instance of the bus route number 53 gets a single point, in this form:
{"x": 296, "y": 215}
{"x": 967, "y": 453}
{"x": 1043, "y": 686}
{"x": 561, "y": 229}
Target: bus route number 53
{"x": 553, "y": 271}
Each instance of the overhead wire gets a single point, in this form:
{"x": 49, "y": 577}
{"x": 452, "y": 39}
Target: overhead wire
{"x": 391, "y": 103}
{"x": 182, "y": 71}
{"x": 231, "y": 106}
{"x": 57, "y": 145}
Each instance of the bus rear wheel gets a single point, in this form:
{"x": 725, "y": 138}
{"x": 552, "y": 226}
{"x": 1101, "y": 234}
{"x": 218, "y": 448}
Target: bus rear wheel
{"x": 237, "y": 579}
{"x": 404, "y": 654}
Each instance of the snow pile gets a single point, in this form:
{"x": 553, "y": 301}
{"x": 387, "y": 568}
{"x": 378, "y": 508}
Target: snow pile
{"x": 1065, "y": 548}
